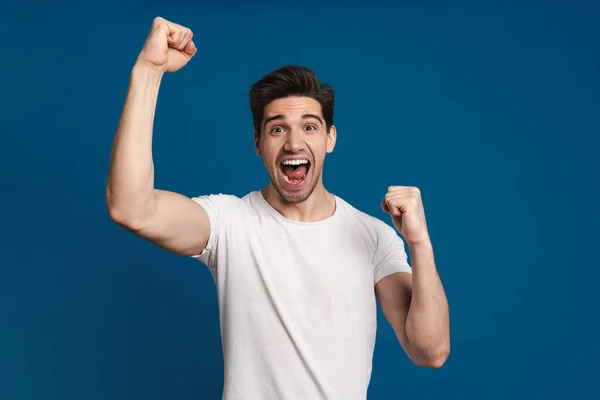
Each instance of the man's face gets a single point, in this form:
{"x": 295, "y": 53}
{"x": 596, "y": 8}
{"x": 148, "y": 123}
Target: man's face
{"x": 293, "y": 145}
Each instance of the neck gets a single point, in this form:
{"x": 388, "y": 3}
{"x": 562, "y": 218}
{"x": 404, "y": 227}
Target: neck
{"x": 319, "y": 206}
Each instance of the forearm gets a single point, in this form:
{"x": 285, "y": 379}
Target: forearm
{"x": 427, "y": 323}
{"x": 130, "y": 184}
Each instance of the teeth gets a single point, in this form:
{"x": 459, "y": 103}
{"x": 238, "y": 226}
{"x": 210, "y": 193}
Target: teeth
{"x": 295, "y": 162}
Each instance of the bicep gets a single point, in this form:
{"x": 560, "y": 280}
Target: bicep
{"x": 177, "y": 224}
{"x": 394, "y": 294}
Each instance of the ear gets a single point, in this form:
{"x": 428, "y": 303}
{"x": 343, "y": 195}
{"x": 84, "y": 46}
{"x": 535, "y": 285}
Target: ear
{"x": 331, "y": 139}
{"x": 257, "y": 144}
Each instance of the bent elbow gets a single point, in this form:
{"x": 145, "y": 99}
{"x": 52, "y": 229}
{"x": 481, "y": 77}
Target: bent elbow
{"x": 436, "y": 363}
{"x": 127, "y": 216}
{"x": 115, "y": 213}
{"x": 435, "y": 359}
{"x": 123, "y": 219}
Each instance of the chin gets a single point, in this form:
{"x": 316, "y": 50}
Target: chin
{"x": 294, "y": 190}
{"x": 294, "y": 197}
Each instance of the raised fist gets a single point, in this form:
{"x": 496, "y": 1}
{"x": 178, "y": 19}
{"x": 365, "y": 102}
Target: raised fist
{"x": 405, "y": 205}
{"x": 168, "y": 47}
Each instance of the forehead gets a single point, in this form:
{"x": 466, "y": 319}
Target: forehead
{"x": 293, "y": 107}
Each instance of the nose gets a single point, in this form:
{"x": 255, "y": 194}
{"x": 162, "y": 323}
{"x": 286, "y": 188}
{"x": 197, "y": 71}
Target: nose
{"x": 294, "y": 141}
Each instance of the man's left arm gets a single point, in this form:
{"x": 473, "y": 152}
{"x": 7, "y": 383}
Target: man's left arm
{"x": 415, "y": 305}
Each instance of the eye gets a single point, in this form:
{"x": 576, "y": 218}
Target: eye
{"x": 311, "y": 127}
{"x": 276, "y": 129}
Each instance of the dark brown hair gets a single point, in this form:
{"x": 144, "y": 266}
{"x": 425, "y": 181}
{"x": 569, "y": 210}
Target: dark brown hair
{"x": 290, "y": 80}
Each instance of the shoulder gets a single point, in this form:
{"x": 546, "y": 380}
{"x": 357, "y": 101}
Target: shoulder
{"x": 223, "y": 206}
{"x": 370, "y": 224}
{"x": 386, "y": 245}
{"x": 224, "y": 200}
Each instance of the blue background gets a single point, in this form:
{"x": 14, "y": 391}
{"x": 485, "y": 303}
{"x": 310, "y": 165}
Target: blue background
{"x": 490, "y": 108}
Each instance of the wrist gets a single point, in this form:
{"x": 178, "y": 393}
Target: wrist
{"x": 423, "y": 244}
{"x": 145, "y": 71}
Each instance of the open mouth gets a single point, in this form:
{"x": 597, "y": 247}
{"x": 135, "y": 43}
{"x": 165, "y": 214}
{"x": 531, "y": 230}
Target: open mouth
{"x": 294, "y": 172}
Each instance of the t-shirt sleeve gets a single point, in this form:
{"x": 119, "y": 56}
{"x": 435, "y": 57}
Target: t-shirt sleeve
{"x": 219, "y": 208}
{"x": 390, "y": 254}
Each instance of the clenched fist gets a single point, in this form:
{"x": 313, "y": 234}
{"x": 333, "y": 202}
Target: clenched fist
{"x": 168, "y": 47}
{"x": 405, "y": 206}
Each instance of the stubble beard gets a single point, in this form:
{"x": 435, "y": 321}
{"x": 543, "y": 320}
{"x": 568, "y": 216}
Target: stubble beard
{"x": 294, "y": 197}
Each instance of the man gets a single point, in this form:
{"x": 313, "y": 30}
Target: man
{"x": 298, "y": 270}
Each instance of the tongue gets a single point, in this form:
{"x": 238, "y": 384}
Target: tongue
{"x": 294, "y": 174}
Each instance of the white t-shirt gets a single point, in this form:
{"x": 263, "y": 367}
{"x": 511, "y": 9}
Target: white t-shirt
{"x": 296, "y": 299}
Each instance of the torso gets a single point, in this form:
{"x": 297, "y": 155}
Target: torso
{"x": 297, "y": 304}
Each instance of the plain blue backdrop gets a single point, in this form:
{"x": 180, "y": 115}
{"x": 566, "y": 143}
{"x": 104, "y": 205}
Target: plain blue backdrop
{"x": 491, "y": 108}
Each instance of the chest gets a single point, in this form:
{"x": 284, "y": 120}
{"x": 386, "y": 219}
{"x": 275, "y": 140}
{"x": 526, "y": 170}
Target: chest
{"x": 302, "y": 267}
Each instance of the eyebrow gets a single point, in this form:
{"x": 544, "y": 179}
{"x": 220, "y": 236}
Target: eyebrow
{"x": 282, "y": 117}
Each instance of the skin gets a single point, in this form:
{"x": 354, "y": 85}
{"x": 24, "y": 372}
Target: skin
{"x": 414, "y": 304}
{"x": 296, "y": 135}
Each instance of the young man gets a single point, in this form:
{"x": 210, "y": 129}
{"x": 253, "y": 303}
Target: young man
{"x": 298, "y": 270}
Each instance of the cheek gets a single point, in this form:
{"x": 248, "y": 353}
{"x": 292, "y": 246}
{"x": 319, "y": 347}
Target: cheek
{"x": 320, "y": 149}
{"x": 269, "y": 156}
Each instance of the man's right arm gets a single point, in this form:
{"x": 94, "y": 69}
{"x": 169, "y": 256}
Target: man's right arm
{"x": 170, "y": 220}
